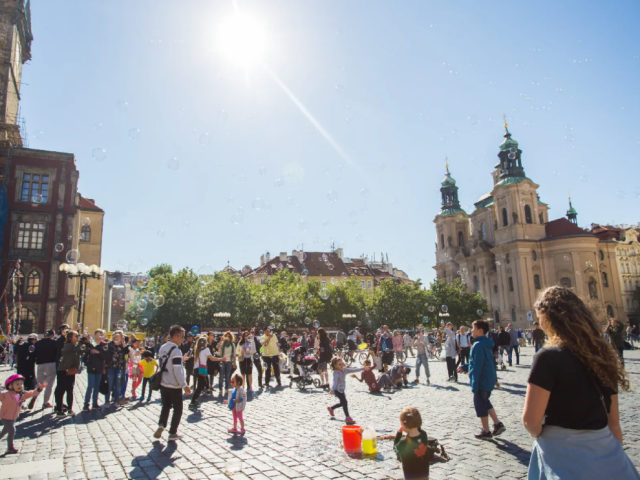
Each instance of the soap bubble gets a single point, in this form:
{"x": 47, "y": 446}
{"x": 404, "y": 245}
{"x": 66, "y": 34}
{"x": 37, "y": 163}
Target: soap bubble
{"x": 38, "y": 198}
{"x": 263, "y": 171}
{"x": 479, "y": 312}
{"x": 511, "y": 156}
{"x": 115, "y": 303}
{"x": 222, "y": 115}
{"x": 86, "y": 221}
{"x": 473, "y": 119}
{"x": 173, "y": 164}
{"x": 444, "y": 309}
{"x": 324, "y": 257}
{"x": 59, "y": 247}
{"x": 339, "y": 88}
{"x": 205, "y": 274}
{"x": 307, "y": 321}
{"x": 160, "y": 233}
{"x": 158, "y": 301}
{"x": 99, "y": 154}
{"x": 144, "y": 322}
{"x": 200, "y": 300}
{"x": 566, "y": 257}
{"x": 257, "y": 204}
{"x": 278, "y": 182}
{"x": 589, "y": 264}
{"x": 195, "y": 330}
{"x": 431, "y": 308}
{"x": 32, "y": 348}
{"x": 236, "y": 219}
{"x": 324, "y": 293}
{"x": 332, "y": 196}
{"x": 513, "y": 150}
{"x": 142, "y": 304}
{"x": 330, "y": 266}
{"x": 122, "y": 324}
{"x": 122, "y": 106}
{"x": 73, "y": 256}
{"x": 316, "y": 323}
{"x": 584, "y": 178}
{"x": 205, "y": 139}
{"x": 134, "y": 134}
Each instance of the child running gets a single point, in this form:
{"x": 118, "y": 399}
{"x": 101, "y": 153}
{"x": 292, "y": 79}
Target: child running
{"x": 149, "y": 368}
{"x": 339, "y": 384}
{"x": 237, "y": 401}
{"x": 369, "y": 377}
{"x": 412, "y": 449}
{"x": 12, "y": 401}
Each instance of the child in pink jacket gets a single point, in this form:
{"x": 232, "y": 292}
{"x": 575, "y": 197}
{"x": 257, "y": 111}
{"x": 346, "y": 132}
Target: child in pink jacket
{"x": 12, "y": 401}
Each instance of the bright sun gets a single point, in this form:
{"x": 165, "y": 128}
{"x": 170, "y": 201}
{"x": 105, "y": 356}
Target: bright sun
{"x": 241, "y": 39}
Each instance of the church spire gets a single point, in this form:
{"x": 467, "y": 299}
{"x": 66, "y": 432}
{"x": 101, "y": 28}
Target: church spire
{"x": 572, "y": 213}
{"x": 449, "y": 192}
{"x": 510, "y": 164}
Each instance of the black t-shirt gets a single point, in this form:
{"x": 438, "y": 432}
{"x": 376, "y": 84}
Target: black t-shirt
{"x": 574, "y": 401}
{"x": 412, "y": 451}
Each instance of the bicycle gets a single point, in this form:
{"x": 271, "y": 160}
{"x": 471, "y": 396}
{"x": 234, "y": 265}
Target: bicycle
{"x": 346, "y": 358}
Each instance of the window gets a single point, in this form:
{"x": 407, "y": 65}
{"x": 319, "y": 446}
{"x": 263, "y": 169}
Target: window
{"x": 541, "y": 219}
{"x": 483, "y": 232}
{"x": 495, "y": 289}
{"x": 565, "y": 282}
{"x": 511, "y": 284}
{"x": 27, "y": 320}
{"x": 505, "y": 217}
{"x": 30, "y": 235}
{"x": 34, "y": 184}
{"x": 324, "y": 283}
{"x": 476, "y": 283}
{"x": 369, "y": 284}
{"x": 496, "y": 316}
{"x": 508, "y": 257}
{"x": 610, "y": 311}
{"x": 449, "y": 241}
{"x": 601, "y": 255}
{"x": 527, "y": 214}
{"x": 362, "y": 284}
{"x": 605, "y": 280}
{"x": 262, "y": 281}
{"x": 593, "y": 288}
{"x": 460, "y": 239}
{"x": 85, "y": 233}
{"x": 536, "y": 282}
{"x": 33, "y": 283}
{"x": 513, "y": 314}
{"x": 442, "y": 240}
{"x": 534, "y": 255}
{"x": 515, "y": 217}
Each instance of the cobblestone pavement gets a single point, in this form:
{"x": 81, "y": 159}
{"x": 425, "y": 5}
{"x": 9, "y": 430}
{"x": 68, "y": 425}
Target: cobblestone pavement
{"x": 289, "y": 434}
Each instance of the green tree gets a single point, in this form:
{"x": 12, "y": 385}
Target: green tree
{"x": 398, "y": 304}
{"x": 463, "y": 307}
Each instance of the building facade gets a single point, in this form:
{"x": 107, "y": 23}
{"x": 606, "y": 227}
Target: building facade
{"x": 508, "y": 250}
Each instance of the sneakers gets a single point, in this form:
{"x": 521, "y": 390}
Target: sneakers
{"x": 194, "y": 406}
{"x": 484, "y": 435}
{"x": 158, "y": 433}
{"x": 349, "y": 421}
{"x": 149, "y": 398}
{"x": 416, "y": 381}
{"x": 47, "y": 405}
{"x": 12, "y": 450}
{"x": 60, "y": 413}
{"x": 233, "y": 430}
{"x": 428, "y": 382}
{"x": 243, "y": 431}
{"x": 95, "y": 406}
{"x": 331, "y": 411}
{"x": 498, "y": 429}
{"x": 173, "y": 437}
{"x": 86, "y": 408}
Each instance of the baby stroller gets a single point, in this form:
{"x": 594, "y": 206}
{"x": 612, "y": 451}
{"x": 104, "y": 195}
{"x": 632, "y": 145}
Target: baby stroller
{"x": 305, "y": 367}
{"x": 500, "y": 361}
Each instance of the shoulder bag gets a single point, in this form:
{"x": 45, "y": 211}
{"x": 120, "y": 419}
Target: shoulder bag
{"x": 156, "y": 380}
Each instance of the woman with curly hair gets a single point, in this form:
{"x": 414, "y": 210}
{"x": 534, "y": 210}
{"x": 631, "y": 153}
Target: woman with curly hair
{"x": 571, "y": 408}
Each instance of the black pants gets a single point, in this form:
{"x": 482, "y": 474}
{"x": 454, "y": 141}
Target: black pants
{"x": 201, "y": 383}
{"x": 463, "y": 356}
{"x": 171, "y": 398}
{"x": 620, "y": 350}
{"x": 451, "y": 368}
{"x": 343, "y": 402}
{"x": 271, "y": 362}
{"x": 64, "y": 385}
{"x": 145, "y": 381}
{"x": 258, "y": 365}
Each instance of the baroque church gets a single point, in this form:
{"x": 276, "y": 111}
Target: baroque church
{"x": 508, "y": 250}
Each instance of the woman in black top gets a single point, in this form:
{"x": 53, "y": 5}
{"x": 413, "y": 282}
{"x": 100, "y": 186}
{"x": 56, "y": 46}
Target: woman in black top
{"x": 324, "y": 354}
{"x": 571, "y": 406}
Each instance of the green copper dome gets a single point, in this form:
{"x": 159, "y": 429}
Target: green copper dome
{"x": 508, "y": 142}
{"x": 448, "y": 179}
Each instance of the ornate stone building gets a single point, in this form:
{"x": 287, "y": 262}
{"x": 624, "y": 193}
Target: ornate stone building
{"x": 508, "y": 250}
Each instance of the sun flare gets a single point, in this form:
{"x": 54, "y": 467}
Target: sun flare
{"x": 242, "y": 39}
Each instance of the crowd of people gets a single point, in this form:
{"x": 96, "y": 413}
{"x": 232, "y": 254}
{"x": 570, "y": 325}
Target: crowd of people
{"x": 571, "y": 405}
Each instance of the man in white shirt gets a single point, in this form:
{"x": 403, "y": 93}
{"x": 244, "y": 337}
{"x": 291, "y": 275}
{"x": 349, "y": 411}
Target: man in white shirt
{"x": 422, "y": 343}
{"x": 407, "y": 342}
{"x": 353, "y": 340}
{"x": 464, "y": 342}
{"x": 173, "y": 382}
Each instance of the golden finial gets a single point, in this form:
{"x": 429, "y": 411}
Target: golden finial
{"x": 446, "y": 162}
{"x": 504, "y": 116}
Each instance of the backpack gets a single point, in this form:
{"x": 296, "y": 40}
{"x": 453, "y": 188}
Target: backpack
{"x": 156, "y": 380}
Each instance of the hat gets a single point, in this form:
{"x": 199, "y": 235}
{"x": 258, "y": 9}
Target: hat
{"x": 189, "y": 334}
{"x": 33, "y": 335}
{"x": 48, "y": 333}
{"x": 12, "y": 379}
{"x": 63, "y": 327}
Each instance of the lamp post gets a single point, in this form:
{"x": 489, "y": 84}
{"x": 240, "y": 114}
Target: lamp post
{"x": 83, "y": 273}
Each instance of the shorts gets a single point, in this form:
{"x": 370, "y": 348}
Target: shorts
{"x": 482, "y": 403}
{"x": 246, "y": 366}
{"x": 323, "y": 365}
{"x": 352, "y": 345}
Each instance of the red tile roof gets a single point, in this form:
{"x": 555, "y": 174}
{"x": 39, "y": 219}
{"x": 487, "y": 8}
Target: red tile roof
{"x": 563, "y": 228}
{"x": 89, "y": 204}
{"x": 314, "y": 264}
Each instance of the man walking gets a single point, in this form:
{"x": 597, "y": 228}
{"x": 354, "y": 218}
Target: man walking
{"x": 450, "y": 351}
{"x": 464, "y": 342}
{"x": 504, "y": 341}
{"x": 537, "y": 336}
{"x": 46, "y": 354}
{"x": 407, "y": 344}
{"x": 514, "y": 344}
{"x": 616, "y": 334}
{"x": 422, "y": 342}
{"x": 173, "y": 383}
{"x": 482, "y": 377}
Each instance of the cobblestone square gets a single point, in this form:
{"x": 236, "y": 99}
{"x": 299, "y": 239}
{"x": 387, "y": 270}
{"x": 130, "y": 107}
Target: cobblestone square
{"x": 289, "y": 434}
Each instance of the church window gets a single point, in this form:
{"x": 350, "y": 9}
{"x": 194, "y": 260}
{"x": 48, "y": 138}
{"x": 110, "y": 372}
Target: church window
{"x": 505, "y": 217}
{"x": 610, "y": 311}
{"x": 442, "y": 240}
{"x": 601, "y": 255}
{"x": 527, "y": 214}
{"x": 476, "y": 283}
{"x": 449, "y": 241}
{"x": 508, "y": 258}
{"x": 513, "y": 314}
{"x": 565, "y": 282}
{"x": 605, "y": 280}
{"x": 541, "y": 218}
{"x": 511, "y": 284}
{"x": 460, "y": 239}
{"x": 515, "y": 217}
{"x": 536, "y": 282}
{"x": 483, "y": 233}
{"x": 495, "y": 289}
{"x": 33, "y": 283}
{"x": 534, "y": 255}
{"x": 593, "y": 288}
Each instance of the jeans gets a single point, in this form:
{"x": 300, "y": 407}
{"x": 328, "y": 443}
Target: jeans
{"x": 47, "y": 373}
{"x": 114, "y": 377}
{"x": 258, "y": 365}
{"x": 225, "y": 375}
{"x": 93, "y": 386}
{"x": 201, "y": 382}
{"x": 538, "y": 346}
{"x": 514, "y": 348}
{"x": 343, "y": 402}
{"x": 123, "y": 387}
{"x": 64, "y": 385}
{"x": 271, "y": 362}
{"x": 171, "y": 398}
{"x": 421, "y": 359}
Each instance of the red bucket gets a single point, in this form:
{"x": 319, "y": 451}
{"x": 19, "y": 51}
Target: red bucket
{"x": 352, "y": 438}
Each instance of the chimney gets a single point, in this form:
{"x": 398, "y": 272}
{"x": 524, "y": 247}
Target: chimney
{"x": 301, "y": 256}
{"x": 389, "y": 268}
{"x": 340, "y": 253}
{"x": 268, "y": 257}
{"x": 261, "y": 260}
{"x": 294, "y": 253}
{"x": 283, "y": 256}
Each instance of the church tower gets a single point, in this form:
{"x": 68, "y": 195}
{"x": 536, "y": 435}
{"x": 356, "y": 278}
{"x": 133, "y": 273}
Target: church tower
{"x": 572, "y": 214}
{"x": 15, "y": 50}
{"x": 452, "y": 226}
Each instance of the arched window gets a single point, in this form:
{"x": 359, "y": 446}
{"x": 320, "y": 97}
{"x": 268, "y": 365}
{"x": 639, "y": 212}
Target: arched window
{"x": 541, "y": 218}
{"x": 442, "y": 240}
{"x": 536, "y": 282}
{"x": 565, "y": 282}
{"x": 483, "y": 232}
{"x": 476, "y": 283}
{"x": 511, "y": 284}
{"x": 460, "y": 239}
{"x": 505, "y": 217}
{"x": 534, "y": 255}
{"x": 610, "y": 311}
{"x": 27, "y": 320}
{"x": 508, "y": 258}
{"x": 515, "y": 217}
{"x": 85, "y": 233}
{"x": 495, "y": 289}
{"x": 593, "y": 288}
{"x": 449, "y": 241}
{"x": 601, "y": 254}
{"x": 605, "y": 280}
{"x": 513, "y": 314}
{"x": 33, "y": 283}
{"x": 496, "y": 316}
{"x": 527, "y": 214}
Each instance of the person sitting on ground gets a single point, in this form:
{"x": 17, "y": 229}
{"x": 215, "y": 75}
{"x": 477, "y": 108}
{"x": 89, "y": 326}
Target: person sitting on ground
{"x": 368, "y": 377}
{"x": 394, "y": 378}
{"x": 412, "y": 449}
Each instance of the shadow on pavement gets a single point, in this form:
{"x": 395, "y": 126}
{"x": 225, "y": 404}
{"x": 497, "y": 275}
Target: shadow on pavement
{"x": 151, "y": 465}
{"x": 523, "y": 456}
{"x": 511, "y": 390}
{"x": 517, "y": 385}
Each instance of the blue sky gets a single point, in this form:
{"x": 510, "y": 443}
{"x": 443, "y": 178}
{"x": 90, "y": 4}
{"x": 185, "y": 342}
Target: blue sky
{"x": 398, "y": 85}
